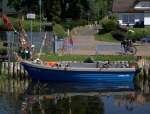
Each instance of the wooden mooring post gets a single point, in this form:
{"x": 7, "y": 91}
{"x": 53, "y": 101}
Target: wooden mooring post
{"x": 144, "y": 65}
{"x": 13, "y": 70}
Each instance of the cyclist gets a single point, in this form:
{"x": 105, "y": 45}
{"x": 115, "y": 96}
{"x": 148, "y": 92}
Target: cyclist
{"x": 124, "y": 45}
{"x": 127, "y": 44}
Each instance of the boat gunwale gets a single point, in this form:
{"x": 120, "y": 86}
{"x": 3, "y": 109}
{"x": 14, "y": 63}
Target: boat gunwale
{"x": 40, "y": 66}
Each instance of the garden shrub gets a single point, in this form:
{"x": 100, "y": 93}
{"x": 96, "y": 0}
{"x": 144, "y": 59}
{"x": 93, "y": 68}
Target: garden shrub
{"x": 109, "y": 25}
{"x": 59, "y": 30}
{"x": 3, "y": 51}
{"x": 137, "y": 35}
{"x": 118, "y": 35}
{"x": 73, "y": 23}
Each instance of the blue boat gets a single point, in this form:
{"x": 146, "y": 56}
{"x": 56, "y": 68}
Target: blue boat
{"x": 78, "y": 74}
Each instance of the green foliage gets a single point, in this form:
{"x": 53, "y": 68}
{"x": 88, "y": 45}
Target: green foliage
{"x": 14, "y": 21}
{"x": 57, "y": 10}
{"x": 100, "y": 8}
{"x": 109, "y": 25}
{"x": 105, "y": 37}
{"x": 24, "y": 5}
{"x": 112, "y": 17}
{"x": 59, "y": 30}
{"x": 74, "y": 23}
{"x": 118, "y": 35}
{"x": 52, "y": 9}
{"x": 3, "y": 51}
{"x": 138, "y": 33}
{"x": 15, "y": 4}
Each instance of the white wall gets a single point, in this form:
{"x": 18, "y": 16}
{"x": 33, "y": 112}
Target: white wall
{"x": 138, "y": 17}
{"x": 147, "y": 18}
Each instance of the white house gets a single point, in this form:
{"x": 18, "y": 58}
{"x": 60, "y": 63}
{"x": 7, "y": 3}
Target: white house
{"x": 130, "y": 12}
{"x": 5, "y": 8}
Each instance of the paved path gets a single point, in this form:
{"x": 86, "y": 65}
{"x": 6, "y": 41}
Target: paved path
{"x": 85, "y": 44}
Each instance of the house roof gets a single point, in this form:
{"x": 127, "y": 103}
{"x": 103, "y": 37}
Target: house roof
{"x": 127, "y": 6}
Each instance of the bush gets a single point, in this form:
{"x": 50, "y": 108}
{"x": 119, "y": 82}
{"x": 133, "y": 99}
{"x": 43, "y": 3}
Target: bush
{"x": 73, "y": 23}
{"x": 137, "y": 35}
{"x": 3, "y": 51}
{"x": 89, "y": 60}
{"x": 59, "y": 30}
{"x": 109, "y": 25}
{"x": 118, "y": 35}
{"x": 105, "y": 37}
{"x": 101, "y": 31}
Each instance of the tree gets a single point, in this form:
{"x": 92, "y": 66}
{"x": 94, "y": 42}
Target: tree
{"x": 52, "y": 10}
{"x": 75, "y": 9}
{"x": 16, "y": 4}
{"x": 24, "y": 5}
{"x": 56, "y": 10}
{"x": 100, "y": 8}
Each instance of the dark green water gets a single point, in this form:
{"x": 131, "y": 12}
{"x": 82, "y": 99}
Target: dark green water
{"x": 25, "y": 97}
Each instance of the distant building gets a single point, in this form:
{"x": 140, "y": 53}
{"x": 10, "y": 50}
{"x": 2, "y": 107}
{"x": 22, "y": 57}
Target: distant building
{"x": 131, "y": 12}
{"x": 5, "y": 8}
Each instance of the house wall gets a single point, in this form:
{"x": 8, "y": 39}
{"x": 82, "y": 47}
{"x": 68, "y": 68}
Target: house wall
{"x": 137, "y": 17}
{"x": 147, "y": 18}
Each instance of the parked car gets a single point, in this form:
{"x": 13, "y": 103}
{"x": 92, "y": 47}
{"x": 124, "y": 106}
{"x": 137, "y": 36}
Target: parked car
{"x": 146, "y": 39}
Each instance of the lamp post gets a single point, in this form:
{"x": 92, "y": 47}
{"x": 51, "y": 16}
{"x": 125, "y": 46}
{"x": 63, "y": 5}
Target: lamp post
{"x": 31, "y": 16}
{"x": 40, "y": 5}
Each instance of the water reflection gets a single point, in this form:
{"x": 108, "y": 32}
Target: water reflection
{"x": 70, "y": 87}
{"x": 25, "y": 97}
{"x": 71, "y": 98}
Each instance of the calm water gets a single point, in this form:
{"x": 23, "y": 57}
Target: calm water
{"x": 26, "y": 97}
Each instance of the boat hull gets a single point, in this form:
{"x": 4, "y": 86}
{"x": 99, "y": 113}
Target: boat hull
{"x": 48, "y": 74}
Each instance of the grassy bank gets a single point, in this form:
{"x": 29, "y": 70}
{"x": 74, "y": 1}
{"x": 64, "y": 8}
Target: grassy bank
{"x": 105, "y": 37}
{"x": 83, "y": 57}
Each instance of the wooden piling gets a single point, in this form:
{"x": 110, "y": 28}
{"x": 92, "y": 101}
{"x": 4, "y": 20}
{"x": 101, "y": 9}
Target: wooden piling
{"x": 13, "y": 70}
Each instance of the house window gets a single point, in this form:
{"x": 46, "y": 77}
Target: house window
{"x": 143, "y": 5}
{"x": 125, "y": 19}
{"x": 128, "y": 19}
{"x": 131, "y": 18}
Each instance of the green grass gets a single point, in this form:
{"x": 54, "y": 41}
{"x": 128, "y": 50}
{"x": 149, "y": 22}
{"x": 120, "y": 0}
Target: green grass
{"x": 83, "y": 57}
{"x": 105, "y": 37}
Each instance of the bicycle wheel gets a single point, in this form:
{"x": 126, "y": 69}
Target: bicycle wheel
{"x": 133, "y": 50}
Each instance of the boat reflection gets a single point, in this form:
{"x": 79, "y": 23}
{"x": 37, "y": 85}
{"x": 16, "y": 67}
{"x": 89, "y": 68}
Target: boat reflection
{"x": 70, "y": 98}
{"x": 69, "y": 87}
